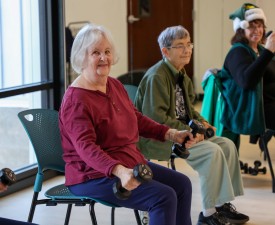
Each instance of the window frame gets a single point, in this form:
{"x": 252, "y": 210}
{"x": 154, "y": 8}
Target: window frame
{"x": 51, "y": 19}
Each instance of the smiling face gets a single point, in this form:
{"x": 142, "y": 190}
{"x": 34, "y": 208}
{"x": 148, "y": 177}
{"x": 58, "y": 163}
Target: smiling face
{"x": 179, "y": 53}
{"x": 254, "y": 33}
{"x": 99, "y": 59}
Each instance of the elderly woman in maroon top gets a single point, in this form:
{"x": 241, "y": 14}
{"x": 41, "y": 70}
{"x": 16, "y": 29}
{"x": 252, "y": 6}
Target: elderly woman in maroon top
{"x": 100, "y": 128}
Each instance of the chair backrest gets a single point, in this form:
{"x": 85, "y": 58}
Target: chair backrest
{"x": 131, "y": 90}
{"x": 42, "y": 128}
{"x": 132, "y": 77}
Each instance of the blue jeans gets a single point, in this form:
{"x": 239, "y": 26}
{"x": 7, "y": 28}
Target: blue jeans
{"x": 5, "y": 221}
{"x": 167, "y": 197}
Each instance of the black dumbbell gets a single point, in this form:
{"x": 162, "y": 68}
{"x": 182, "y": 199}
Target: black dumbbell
{"x": 197, "y": 127}
{"x": 7, "y": 176}
{"x": 262, "y": 170}
{"x": 254, "y": 171}
{"x": 141, "y": 172}
{"x": 244, "y": 167}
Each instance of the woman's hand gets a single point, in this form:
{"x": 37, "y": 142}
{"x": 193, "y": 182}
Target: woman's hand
{"x": 181, "y": 136}
{"x": 178, "y": 136}
{"x": 207, "y": 125}
{"x": 126, "y": 177}
{"x": 3, "y": 187}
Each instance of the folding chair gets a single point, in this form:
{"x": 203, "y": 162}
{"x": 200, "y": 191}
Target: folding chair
{"x": 42, "y": 128}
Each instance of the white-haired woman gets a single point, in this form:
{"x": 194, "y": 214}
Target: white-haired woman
{"x": 100, "y": 128}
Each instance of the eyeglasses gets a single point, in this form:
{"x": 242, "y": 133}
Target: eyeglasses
{"x": 189, "y": 46}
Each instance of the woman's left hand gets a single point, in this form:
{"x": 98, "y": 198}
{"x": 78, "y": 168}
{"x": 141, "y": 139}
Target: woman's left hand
{"x": 3, "y": 187}
{"x": 207, "y": 125}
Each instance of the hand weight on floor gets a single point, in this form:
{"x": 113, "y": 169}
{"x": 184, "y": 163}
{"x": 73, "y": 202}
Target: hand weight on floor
{"x": 256, "y": 169}
{"x": 244, "y": 167}
{"x": 141, "y": 172}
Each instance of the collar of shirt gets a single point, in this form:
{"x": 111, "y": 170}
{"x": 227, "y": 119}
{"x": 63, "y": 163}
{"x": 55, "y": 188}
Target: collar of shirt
{"x": 175, "y": 72}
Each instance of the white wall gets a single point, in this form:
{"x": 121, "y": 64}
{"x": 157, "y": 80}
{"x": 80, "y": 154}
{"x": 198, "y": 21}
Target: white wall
{"x": 212, "y": 28}
{"x": 112, "y": 14}
{"x": 269, "y": 7}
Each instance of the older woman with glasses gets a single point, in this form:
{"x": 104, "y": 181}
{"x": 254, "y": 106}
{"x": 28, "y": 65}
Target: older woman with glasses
{"x": 166, "y": 94}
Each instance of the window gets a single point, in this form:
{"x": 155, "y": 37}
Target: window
{"x": 31, "y": 71}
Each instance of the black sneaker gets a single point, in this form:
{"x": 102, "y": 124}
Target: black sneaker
{"x": 229, "y": 212}
{"x": 215, "y": 219}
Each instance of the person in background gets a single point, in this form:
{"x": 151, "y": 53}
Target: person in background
{"x": 248, "y": 76}
{"x": 100, "y": 127}
{"x": 166, "y": 94}
{"x": 6, "y": 221}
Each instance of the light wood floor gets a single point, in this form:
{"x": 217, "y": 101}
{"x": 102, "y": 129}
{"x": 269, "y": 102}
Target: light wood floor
{"x": 258, "y": 201}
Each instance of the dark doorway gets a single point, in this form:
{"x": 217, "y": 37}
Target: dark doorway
{"x": 146, "y": 19}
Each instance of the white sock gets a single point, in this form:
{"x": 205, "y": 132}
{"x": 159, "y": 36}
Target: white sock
{"x": 219, "y": 205}
{"x": 208, "y": 212}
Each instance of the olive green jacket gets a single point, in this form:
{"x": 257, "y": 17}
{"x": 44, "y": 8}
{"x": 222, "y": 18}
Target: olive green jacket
{"x": 156, "y": 99}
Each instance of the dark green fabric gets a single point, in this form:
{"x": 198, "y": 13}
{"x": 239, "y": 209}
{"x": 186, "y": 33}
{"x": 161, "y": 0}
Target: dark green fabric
{"x": 243, "y": 111}
{"x": 213, "y": 102}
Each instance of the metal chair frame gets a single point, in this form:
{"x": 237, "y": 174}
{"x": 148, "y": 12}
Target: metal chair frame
{"x": 264, "y": 143}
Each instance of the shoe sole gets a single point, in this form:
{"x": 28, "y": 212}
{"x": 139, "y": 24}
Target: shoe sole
{"x": 237, "y": 221}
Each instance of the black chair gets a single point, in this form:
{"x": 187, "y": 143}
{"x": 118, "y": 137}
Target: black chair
{"x": 42, "y": 128}
{"x": 213, "y": 115}
{"x": 132, "y": 77}
{"x": 263, "y": 144}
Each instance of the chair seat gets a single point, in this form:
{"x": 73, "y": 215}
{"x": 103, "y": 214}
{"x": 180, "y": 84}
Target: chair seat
{"x": 61, "y": 192}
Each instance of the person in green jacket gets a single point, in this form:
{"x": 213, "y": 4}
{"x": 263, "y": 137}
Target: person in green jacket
{"x": 166, "y": 95}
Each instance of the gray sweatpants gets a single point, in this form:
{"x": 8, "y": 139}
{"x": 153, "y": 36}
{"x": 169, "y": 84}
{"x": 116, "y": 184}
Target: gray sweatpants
{"x": 216, "y": 160}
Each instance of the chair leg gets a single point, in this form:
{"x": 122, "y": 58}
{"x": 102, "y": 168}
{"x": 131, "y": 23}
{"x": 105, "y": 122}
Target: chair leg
{"x": 113, "y": 216}
{"x": 33, "y": 205}
{"x": 137, "y": 217}
{"x": 266, "y": 152}
{"x": 92, "y": 213}
{"x": 172, "y": 160}
{"x": 68, "y": 214}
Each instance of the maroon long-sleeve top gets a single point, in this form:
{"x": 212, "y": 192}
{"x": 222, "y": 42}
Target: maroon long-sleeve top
{"x": 99, "y": 131}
